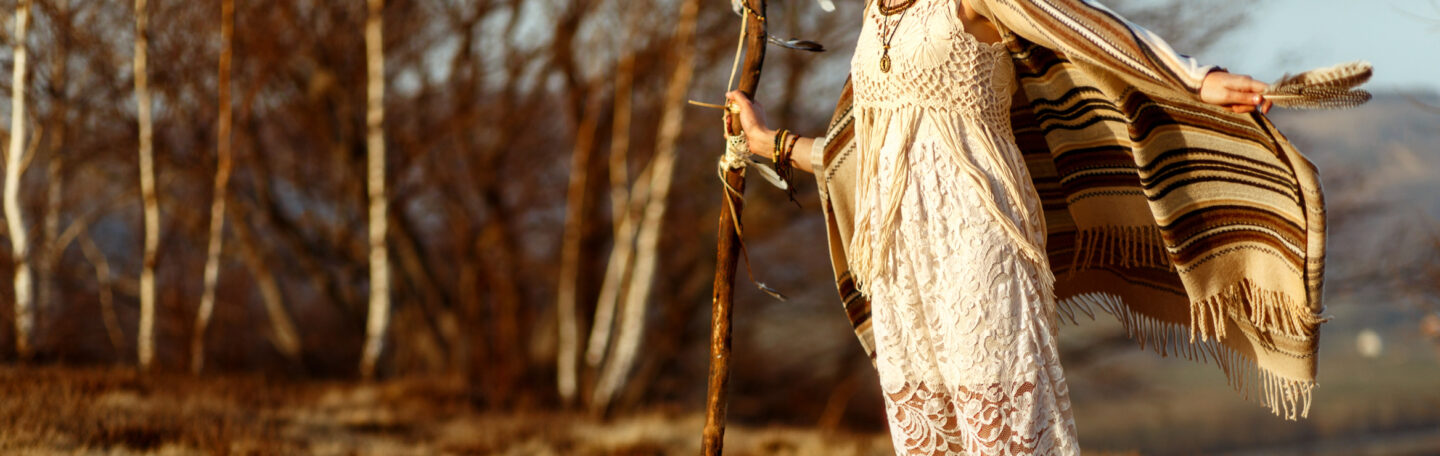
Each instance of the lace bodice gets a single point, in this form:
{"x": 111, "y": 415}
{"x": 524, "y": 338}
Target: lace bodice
{"x": 935, "y": 64}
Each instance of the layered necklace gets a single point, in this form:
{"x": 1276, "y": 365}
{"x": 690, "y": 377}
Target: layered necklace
{"x": 887, "y": 32}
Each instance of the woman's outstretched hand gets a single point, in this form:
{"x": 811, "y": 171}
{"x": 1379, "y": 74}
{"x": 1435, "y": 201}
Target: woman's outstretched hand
{"x": 752, "y": 120}
{"x": 1237, "y": 92}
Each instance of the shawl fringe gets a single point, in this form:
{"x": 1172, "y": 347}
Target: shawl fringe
{"x": 1286, "y": 397}
{"x": 1269, "y": 311}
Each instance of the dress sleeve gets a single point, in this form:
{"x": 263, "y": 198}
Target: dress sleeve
{"x": 817, "y": 155}
{"x": 1086, "y": 30}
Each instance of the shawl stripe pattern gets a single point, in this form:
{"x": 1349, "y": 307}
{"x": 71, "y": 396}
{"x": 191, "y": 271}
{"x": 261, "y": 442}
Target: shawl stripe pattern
{"x": 1201, "y": 230}
{"x": 835, "y": 165}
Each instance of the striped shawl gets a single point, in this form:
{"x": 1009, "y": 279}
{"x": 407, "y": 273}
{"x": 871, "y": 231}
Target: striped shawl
{"x": 1201, "y": 230}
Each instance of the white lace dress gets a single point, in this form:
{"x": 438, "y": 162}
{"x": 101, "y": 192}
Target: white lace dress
{"x": 949, "y": 244}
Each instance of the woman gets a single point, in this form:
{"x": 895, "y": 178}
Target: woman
{"x": 949, "y": 236}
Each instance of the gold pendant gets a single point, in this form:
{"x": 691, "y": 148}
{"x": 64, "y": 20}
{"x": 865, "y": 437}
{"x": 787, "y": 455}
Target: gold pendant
{"x": 885, "y": 63}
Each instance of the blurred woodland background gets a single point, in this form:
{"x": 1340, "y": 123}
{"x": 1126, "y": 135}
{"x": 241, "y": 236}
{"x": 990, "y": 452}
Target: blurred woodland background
{"x": 504, "y": 212}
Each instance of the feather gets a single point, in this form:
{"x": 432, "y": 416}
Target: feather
{"x": 1324, "y": 88}
{"x": 769, "y": 174}
{"x": 771, "y": 291}
{"x": 1339, "y": 100}
{"x": 797, "y": 44}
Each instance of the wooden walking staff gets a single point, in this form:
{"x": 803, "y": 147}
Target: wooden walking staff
{"x": 729, "y": 242}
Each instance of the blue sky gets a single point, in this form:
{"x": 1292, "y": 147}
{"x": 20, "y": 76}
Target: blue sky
{"x": 1401, "y": 37}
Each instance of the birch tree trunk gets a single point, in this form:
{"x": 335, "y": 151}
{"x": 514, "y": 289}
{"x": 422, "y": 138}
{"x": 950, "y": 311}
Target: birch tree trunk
{"x": 569, "y": 326}
{"x": 379, "y": 317}
{"x": 146, "y": 342}
{"x": 14, "y": 168}
{"x": 222, "y": 181}
{"x": 632, "y": 324}
{"x": 617, "y": 269}
{"x": 617, "y": 274}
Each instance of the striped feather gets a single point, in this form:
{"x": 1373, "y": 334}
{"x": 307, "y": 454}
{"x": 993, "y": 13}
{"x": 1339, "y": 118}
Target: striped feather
{"x": 1325, "y": 88}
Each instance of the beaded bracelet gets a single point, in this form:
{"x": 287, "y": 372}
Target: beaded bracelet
{"x": 778, "y": 144}
{"x": 784, "y": 147}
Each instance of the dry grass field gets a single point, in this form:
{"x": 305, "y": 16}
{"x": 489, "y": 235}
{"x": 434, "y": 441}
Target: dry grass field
{"x": 58, "y": 410}
{"x": 55, "y": 410}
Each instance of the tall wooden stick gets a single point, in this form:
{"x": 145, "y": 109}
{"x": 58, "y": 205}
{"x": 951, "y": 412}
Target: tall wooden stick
{"x": 717, "y": 400}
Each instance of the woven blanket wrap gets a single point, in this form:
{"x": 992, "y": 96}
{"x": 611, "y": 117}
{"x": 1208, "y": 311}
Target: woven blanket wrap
{"x": 1201, "y": 230}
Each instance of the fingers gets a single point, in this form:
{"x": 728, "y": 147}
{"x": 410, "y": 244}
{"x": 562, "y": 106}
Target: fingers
{"x": 1263, "y": 107}
{"x": 1244, "y": 83}
{"x": 1247, "y": 95}
{"x": 737, "y": 98}
{"x": 741, "y": 104}
{"x": 752, "y": 121}
{"x": 1241, "y": 83}
{"x": 751, "y": 113}
{"x": 1250, "y": 92}
{"x": 1236, "y": 92}
{"x": 1244, "y": 95}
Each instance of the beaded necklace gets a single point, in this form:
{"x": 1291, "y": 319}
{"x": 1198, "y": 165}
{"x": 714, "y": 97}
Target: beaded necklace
{"x": 887, "y": 33}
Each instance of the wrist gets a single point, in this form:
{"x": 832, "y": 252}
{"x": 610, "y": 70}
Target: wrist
{"x": 762, "y": 141}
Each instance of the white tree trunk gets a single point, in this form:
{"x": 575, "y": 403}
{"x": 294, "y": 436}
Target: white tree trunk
{"x": 146, "y": 343}
{"x": 617, "y": 275}
{"x": 14, "y": 168}
{"x": 569, "y": 326}
{"x": 379, "y": 318}
{"x": 217, "y": 204}
{"x": 617, "y": 269}
{"x": 632, "y": 324}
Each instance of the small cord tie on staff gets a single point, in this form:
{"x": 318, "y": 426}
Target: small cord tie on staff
{"x": 737, "y": 155}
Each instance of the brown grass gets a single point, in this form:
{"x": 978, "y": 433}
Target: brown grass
{"x": 60, "y": 410}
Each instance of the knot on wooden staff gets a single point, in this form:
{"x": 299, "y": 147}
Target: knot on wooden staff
{"x": 737, "y": 158}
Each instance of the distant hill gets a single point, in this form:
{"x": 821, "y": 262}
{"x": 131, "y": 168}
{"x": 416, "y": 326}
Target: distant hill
{"x": 1394, "y": 139}
{"x": 1380, "y": 168}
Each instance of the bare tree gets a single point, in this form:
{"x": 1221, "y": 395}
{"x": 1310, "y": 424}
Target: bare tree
{"x": 49, "y": 252}
{"x": 379, "y": 315}
{"x": 632, "y": 324}
{"x": 568, "y": 357}
{"x": 222, "y": 181}
{"x": 151, "y": 202}
{"x": 15, "y": 164}
{"x": 107, "y": 295}
{"x": 617, "y": 270}
{"x": 283, "y": 334}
